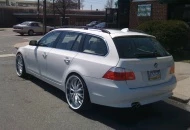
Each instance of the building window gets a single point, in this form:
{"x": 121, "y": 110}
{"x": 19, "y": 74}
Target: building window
{"x": 144, "y": 10}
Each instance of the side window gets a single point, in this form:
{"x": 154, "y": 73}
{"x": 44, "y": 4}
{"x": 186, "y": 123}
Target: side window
{"x": 49, "y": 39}
{"x": 67, "y": 41}
{"x": 94, "y": 45}
{"x": 77, "y": 42}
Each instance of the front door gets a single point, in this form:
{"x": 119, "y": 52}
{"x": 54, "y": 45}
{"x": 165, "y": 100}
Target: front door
{"x": 60, "y": 58}
{"x": 38, "y": 55}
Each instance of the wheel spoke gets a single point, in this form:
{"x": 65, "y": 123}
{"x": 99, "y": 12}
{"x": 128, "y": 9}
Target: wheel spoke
{"x": 72, "y": 89}
{"x": 80, "y": 95}
{"x": 80, "y": 89}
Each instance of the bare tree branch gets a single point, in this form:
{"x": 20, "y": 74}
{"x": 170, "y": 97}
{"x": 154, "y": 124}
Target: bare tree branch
{"x": 109, "y": 4}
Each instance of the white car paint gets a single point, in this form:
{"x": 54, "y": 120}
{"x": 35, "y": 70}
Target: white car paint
{"x": 54, "y": 70}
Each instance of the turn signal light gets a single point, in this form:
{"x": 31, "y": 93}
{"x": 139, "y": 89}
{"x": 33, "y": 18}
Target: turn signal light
{"x": 119, "y": 74}
{"x": 172, "y": 70}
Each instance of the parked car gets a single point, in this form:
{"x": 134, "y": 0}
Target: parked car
{"x": 30, "y": 28}
{"x": 93, "y": 23}
{"x": 117, "y": 68}
{"x": 100, "y": 25}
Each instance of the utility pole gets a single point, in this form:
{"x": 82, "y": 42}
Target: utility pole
{"x": 79, "y": 4}
{"x": 38, "y": 10}
{"x": 54, "y": 11}
{"x": 44, "y": 16}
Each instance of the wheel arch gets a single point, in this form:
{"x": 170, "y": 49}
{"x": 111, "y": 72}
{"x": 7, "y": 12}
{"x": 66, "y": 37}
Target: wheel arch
{"x": 78, "y": 74}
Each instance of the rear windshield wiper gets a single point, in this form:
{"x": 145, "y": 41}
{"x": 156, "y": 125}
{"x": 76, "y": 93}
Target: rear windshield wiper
{"x": 147, "y": 53}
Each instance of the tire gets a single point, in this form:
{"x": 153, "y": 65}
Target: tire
{"x": 30, "y": 32}
{"x": 76, "y": 93}
{"x": 22, "y": 34}
{"x": 20, "y": 66}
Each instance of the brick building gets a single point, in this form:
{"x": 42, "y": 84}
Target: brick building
{"x": 10, "y": 15}
{"x": 145, "y": 10}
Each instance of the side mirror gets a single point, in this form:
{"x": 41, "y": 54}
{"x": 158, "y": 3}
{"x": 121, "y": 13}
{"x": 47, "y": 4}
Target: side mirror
{"x": 33, "y": 43}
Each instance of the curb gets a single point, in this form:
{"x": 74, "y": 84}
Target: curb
{"x": 180, "y": 98}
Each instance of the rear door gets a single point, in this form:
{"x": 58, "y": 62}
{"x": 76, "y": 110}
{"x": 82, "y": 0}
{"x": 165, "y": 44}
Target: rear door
{"x": 35, "y": 27}
{"x": 146, "y": 58}
{"x": 62, "y": 55}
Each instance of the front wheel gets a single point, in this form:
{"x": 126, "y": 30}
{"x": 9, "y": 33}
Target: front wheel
{"x": 30, "y": 32}
{"x": 76, "y": 93}
{"x": 20, "y": 67}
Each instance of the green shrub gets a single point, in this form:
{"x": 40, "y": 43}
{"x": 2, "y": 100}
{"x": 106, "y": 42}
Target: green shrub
{"x": 172, "y": 34}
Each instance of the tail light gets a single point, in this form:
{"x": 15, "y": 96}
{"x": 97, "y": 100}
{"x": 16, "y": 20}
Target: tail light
{"x": 119, "y": 74}
{"x": 172, "y": 69}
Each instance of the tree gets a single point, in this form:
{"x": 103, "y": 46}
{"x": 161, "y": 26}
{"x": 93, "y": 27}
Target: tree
{"x": 62, "y": 5}
{"x": 109, "y": 4}
{"x": 116, "y": 4}
{"x": 82, "y": 4}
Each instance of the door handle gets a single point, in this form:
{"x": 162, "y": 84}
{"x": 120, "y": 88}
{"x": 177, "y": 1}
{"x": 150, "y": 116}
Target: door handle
{"x": 44, "y": 55}
{"x": 67, "y": 60}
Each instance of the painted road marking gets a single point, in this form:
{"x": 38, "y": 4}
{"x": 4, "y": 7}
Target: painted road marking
{"x": 7, "y": 55}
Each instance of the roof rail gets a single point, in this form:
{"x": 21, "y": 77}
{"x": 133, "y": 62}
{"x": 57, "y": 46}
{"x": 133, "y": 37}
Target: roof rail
{"x": 103, "y": 30}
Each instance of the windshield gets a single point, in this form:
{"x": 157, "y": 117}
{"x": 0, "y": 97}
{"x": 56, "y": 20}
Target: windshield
{"x": 25, "y": 23}
{"x": 139, "y": 47}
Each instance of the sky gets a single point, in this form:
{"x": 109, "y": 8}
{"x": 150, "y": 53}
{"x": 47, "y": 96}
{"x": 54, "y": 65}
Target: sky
{"x": 96, "y": 4}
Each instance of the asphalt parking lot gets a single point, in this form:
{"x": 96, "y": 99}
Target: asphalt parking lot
{"x": 27, "y": 104}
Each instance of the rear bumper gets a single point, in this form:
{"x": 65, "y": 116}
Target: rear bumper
{"x": 117, "y": 94}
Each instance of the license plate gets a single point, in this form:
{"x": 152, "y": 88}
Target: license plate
{"x": 154, "y": 75}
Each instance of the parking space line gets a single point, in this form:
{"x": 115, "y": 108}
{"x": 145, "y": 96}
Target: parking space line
{"x": 7, "y": 55}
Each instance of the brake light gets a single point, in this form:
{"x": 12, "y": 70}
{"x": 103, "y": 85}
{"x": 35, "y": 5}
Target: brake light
{"x": 172, "y": 70}
{"x": 119, "y": 74}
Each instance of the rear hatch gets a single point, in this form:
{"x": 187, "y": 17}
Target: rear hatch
{"x": 146, "y": 58}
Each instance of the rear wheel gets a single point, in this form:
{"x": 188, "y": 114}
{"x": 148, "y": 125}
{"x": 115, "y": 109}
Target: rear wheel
{"x": 20, "y": 67}
{"x": 76, "y": 93}
{"x": 30, "y": 32}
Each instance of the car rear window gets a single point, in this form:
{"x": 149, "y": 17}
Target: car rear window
{"x": 139, "y": 47}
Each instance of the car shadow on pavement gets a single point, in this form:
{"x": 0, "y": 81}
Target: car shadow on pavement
{"x": 160, "y": 115}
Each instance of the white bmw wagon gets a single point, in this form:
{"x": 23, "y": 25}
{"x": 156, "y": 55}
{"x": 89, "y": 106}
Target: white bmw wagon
{"x": 116, "y": 68}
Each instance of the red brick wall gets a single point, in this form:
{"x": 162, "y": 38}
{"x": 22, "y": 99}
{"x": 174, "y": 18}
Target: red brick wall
{"x": 159, "y": 12}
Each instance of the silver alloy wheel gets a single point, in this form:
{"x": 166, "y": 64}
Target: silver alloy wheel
{"x": 19, "y": 65}
{"x": 74, "y": 92}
